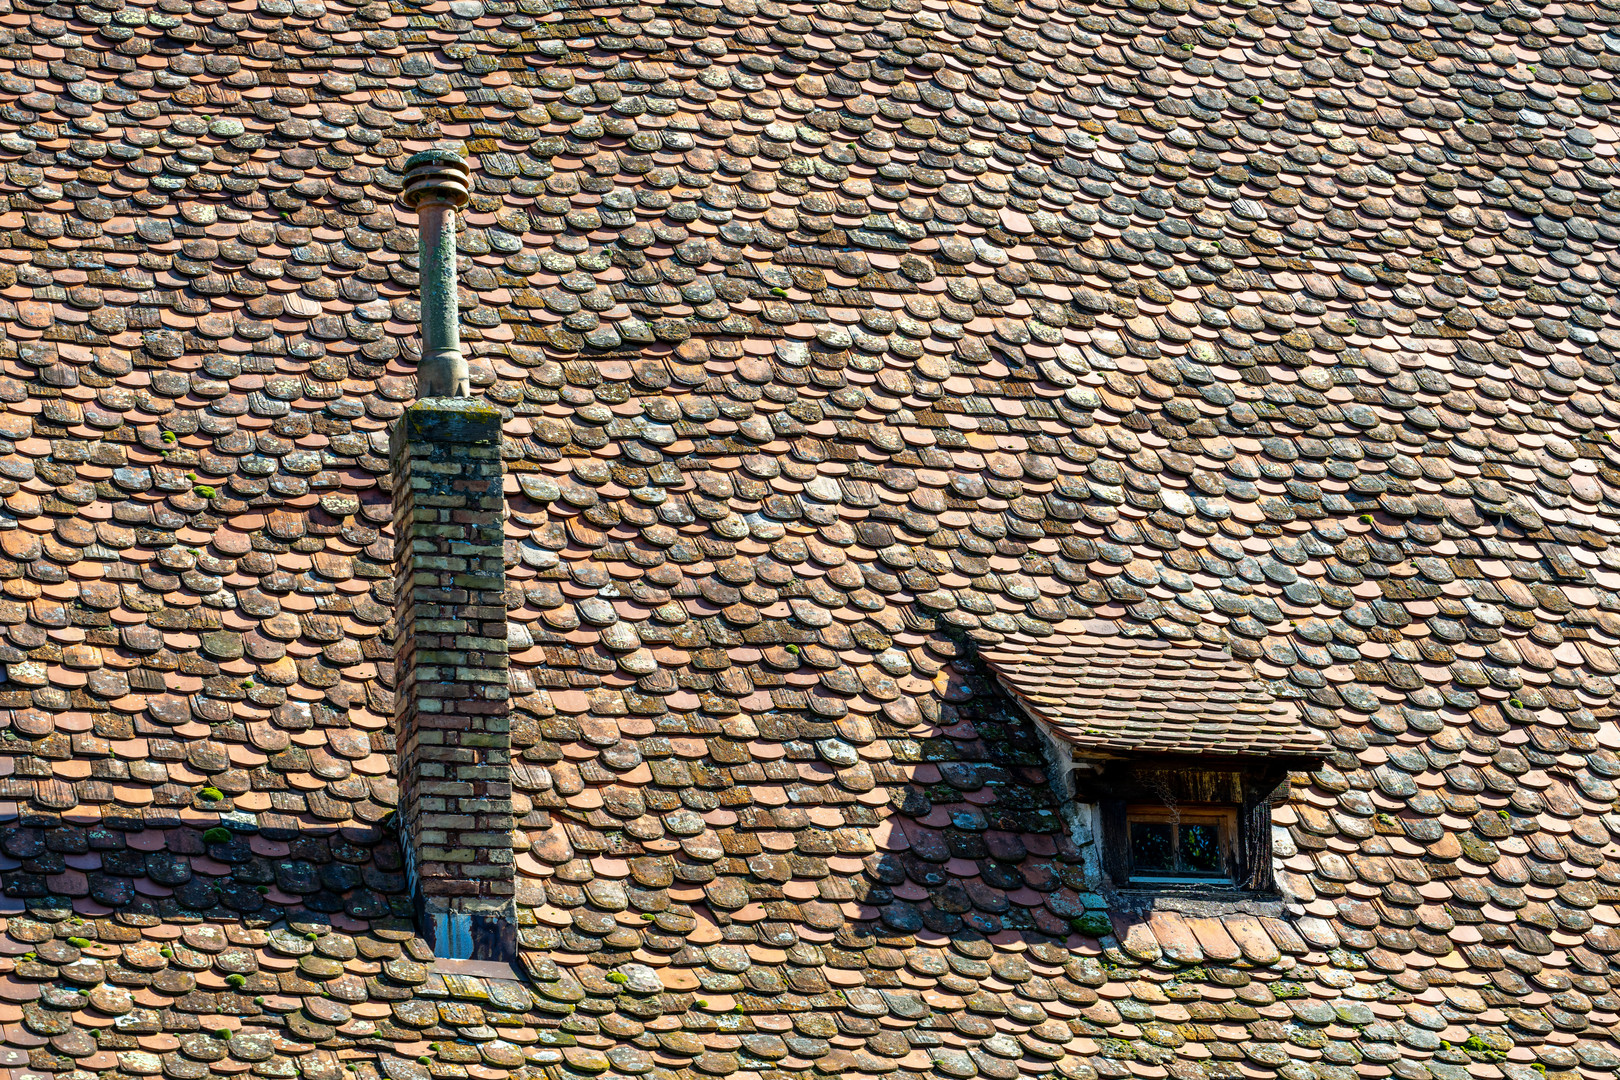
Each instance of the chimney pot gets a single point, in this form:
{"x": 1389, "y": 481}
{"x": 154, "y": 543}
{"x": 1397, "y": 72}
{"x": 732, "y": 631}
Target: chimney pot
{"x": 436, "y": 175}
{"x": 437, "y": 184}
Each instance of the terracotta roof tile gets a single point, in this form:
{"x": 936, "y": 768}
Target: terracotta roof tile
{"x": 1114, "y": 694}
{"x": 1223, "y": 376}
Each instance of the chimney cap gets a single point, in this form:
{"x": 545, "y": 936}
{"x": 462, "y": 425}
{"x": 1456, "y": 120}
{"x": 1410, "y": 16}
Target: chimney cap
{"x": 440, "y": 175}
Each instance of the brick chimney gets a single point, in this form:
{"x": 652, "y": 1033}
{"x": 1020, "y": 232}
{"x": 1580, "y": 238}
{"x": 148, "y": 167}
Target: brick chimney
{"x": 452, "y": 730}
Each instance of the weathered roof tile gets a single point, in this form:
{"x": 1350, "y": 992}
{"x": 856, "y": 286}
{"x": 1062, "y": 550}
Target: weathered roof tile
{"x": 1218, "y": 378}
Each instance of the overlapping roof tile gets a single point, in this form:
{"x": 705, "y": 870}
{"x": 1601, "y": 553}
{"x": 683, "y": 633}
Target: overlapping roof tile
{"x": 1100, "y": 692}
{"x": 838, "y": 345}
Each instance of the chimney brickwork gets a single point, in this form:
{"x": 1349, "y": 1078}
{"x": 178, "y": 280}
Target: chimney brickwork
{"x": 452, "y": 716}
{"x": 452, "y": 706}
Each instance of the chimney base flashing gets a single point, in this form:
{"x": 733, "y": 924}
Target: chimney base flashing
{"x": 489, "y": 932}
{"x": 477, "y": 969}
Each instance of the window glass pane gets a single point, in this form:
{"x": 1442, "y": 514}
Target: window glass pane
{"x": 1201, "y": 849}
{"x": 1151, "y": 847}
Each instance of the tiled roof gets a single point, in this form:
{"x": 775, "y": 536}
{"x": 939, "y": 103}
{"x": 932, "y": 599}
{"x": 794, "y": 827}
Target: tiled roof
{"x": 1105, "y": 693}
{"x": 834, "y": 341}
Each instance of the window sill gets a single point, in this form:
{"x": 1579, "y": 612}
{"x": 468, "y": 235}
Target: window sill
{"x": 1198, "y": 899}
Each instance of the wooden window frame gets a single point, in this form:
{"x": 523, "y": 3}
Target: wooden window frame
{"x": 1244, "y": 789}
{"x": 1223, "y": 817}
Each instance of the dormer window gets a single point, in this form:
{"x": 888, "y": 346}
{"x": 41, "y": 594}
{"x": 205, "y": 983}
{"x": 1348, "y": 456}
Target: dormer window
{"x": 1184, "y": 823}
{"x": 1172, "y": 844}
{"x": 1179, "y": 749}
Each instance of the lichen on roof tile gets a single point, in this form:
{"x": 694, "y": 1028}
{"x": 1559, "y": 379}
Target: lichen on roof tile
{"x": 1200, "y": 367}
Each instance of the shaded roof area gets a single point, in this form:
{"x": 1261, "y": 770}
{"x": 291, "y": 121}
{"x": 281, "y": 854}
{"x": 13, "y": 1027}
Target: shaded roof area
{"x": 1101, "y": 692}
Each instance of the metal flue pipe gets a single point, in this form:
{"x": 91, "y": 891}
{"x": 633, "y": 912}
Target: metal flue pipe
{"x": 436, "y": 186}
